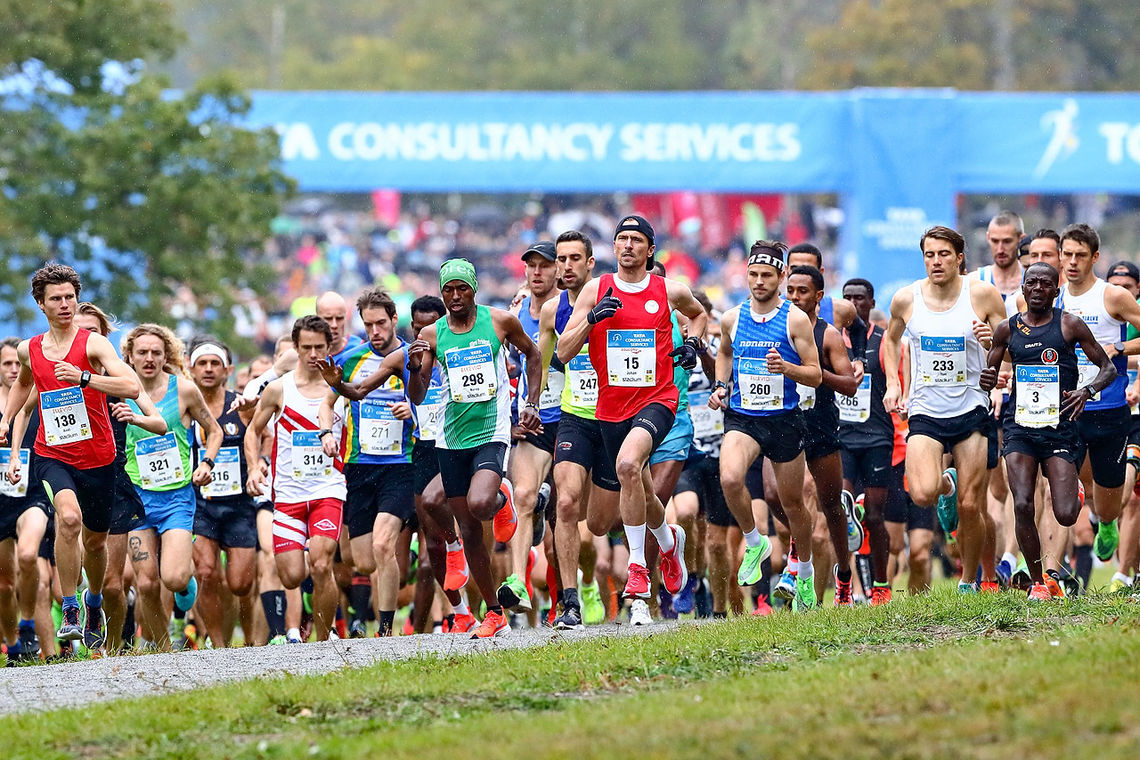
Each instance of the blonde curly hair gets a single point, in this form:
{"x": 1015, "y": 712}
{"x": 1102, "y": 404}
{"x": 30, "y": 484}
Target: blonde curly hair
{"x": 173, "y": 348}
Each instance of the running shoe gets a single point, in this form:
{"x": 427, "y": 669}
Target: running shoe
{"x": 569, "y": 620}
{"x": 1119, "y": 584}
{"x": 513, "y": 593}
{"x": 278, "y": 640}
{"x": 185, "y": 599}
{"x": 464, "y": 623}
{"x": 750, "y": 572}
{"x": 639, "y": 613}
{"x": 948, "y": 505}
{"x": 842, "y": 589}
{"x": 356, "y": 629}
{"x": 70, "y": 630}
{"x": 880, "y": 595}
{"x": 593, "y": 611}
{"x": 506, "y": 519}
{"x": 1020, "y": 578}
{"x": 637, "y": 585}
{"x": 989, "y": 587}
{"x": 966, "y": 587}
{"x": 674, "y": 574}
{"x": 684, "y": 601}
{"x": 1053, "y": 583}
{"x": 14, "y": 655}
{"x": 294, "y": 638}
{"x": 495, "y": 624}
{"x": 29, "y": 644}
{"x": 539, "y": 528}
{"x": 1039, "y": 593}
{"x": 785, "y": 587}
{"x": 333, "y": 635}
{"x": 457, "y": 574}
{"x": 1107, "y": 539}
{"x": 1004, "y": 573}
{"x": 762, "y": 606}
{"x": 665, "y": 604}
{"x": 855, "y": 530}
{"x": 805, "y": 595}
{"x": 94, "y": 626}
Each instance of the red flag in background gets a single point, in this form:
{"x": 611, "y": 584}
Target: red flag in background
{"x": 386, "y": 207}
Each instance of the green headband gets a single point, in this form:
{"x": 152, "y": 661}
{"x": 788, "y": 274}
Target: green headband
{"x": 458, "y": 269}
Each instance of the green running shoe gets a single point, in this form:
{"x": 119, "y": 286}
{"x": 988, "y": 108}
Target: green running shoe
{"x": 948, "y": 505}
{"x": 593, "y": 611}
{"x": 1107, "y": 539}
{"x": 754, "y": 556}
{"x": 805, "y": 594}
{"x": 965, "y": 587}
{"x": 513, "y": 593}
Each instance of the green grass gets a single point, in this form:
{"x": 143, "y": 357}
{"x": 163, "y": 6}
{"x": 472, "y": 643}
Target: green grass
{"x": 940, "y": 676}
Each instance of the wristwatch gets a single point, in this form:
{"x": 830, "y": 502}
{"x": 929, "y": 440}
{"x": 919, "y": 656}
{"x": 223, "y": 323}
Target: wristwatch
{"x": 720, "y": 384}
{"x": 323, "y": 432}
{"x": 207, "y": 460}
{"x": 1119, "y": 346}
{"x": 84, "y": 378}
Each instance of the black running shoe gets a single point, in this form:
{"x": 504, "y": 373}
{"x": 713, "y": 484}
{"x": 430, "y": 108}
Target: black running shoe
{"x": 29, "y": 644}
{"x": 94, "y": 627}
{"x": 569, "y": 620}
{"x": 70, "y": 630}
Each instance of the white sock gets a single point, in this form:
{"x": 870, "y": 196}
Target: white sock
{"x": 293, "y": 633}
{"x": 805, "y": 569}
{"x": 664, "y": 536}
{"x": 455, "y": 546}
{"x": 753, "y": 537}
{"x": 1009, "y": 559}
{"x": 1122, "y": 578}
{"x": 461, "y": 608}
{"x": 635, "y": 535}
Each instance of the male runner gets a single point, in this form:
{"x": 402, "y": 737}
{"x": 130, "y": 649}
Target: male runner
{"x": 74, "y": 371}
{"x": 1046, "y": 401}
{"x": 1126, "y": 274}
{"x": 630, "y": 338}
{"x": 767, "y": 348}
{"x": 226, "y": 516}
{"x": 949, "y": 320}
{"x": 1104, "y": 426}
{"x": 821, "y": 423}
{"x": 24, "y": 514}
{"x": 307, "y": 486}
{"x": 580, "y": 453}
{"x": 472, "y": 446}
{"x": 840, "y": 314}
{"x": 333, "y": 309}
{"x": 1004, "y": 234}
{"x": 533, "y": 456}
{"x": 376, "y": 449}
{"x": 161, "y": 470}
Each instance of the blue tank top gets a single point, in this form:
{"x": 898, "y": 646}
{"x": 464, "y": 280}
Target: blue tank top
{"x": 550, "y": 403}
{"x": 751, "y": 339}
{"x": 827, "y": 310}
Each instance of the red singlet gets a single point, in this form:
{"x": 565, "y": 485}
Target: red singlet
{"x": 77, "y": 418}
{"x": 630, "y": 350}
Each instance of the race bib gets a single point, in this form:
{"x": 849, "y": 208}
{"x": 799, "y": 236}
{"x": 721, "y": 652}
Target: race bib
{"x": 15, "y": 490}
{"x": 551, "y": 397}
{"x": 942, "y": 360}
{"x": 380, "y": 432}
{"x": 471, "y": 373}
{"x": 856, "y": 408}
{"x": 631, "y": 358}
{"x": 309, "y": 460}
{"x": 759, "y": 388}
{"x": 430, "y": 413}
{"x": 583, "y": 381}
{"x": 159, "y": 461}
{"x": 707, "y": 423}
{"x": 227, "y": 475}
{"x": 1086, "y": 372}
{"x": 807, "y": 396}
{"x": 1038, "y": 395}
{"x": 64, "y": 416}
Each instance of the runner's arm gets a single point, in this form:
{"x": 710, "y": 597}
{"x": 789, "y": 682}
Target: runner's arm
{"x": 150, "y": 420}
{"x": 1083, "y": 336}
{"x": 195, "y": 405}
{"x": 722, "y": 372}
{"x": 118, "y": 378}
{"x": 681, "y": 298}
{"x": 422, "y": 349}
{"x": 995, "y": 357}
{"x": 847, "y": 320}
{"x": 267, "y": 406}
{"x": 892, "y": 346}
{"x": 514, "y": 334}
{"x": 546, "y": 337}
{"x": 1124, "y": 307}
{"x": 578, "y": 328}
{"x": 843, "y": 379}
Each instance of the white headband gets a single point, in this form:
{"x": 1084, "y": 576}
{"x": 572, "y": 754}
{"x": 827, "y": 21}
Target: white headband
{"x": 208, "y": 349}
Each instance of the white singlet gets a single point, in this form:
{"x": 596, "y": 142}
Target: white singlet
{"x": 300, "y": 471}
{"x": 946, "y": 360}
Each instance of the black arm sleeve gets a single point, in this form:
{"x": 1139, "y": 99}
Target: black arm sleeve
{"x": 857, "y": 332}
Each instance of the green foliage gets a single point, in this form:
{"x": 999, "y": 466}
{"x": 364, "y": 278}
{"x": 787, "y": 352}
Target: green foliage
{"x": 175, "y": 186}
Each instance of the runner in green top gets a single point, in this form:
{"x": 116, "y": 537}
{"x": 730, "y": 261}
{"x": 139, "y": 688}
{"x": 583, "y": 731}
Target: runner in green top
{"x": 159, "y": 466}
{"x": 472, "y": 447}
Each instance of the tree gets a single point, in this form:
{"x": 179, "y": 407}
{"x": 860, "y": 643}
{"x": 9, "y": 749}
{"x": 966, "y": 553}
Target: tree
{"x": 102, "y": 168}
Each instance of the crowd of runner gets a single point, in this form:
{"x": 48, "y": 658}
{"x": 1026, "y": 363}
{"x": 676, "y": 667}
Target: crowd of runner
{"x": 609, "y": 449}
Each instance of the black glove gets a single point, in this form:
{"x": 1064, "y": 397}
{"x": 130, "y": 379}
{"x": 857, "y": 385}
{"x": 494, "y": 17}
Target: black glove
{"x": 606, "y": 307}
{"x": 686, "y": 354}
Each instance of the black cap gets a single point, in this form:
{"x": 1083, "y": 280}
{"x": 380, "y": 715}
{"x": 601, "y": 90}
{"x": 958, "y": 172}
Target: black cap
{"x": 1023, "y": 246}
{"x": 1125, "y": 269}
{"x": 635, "y": 223}
{"x": 544, "y": 248}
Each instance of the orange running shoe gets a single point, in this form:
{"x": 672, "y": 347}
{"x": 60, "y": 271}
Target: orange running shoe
{"x": 762, "y": 606}
{"x": 880, "y": 595}
{"x": 1039, "y": 593}
{"x": 843, "y": 597}
{"x": 506, "y": 519}
{"x": 637, "y": 585}
{"x": 464, "y": 623}
{"x": 456, "y": 577}
{"x": 990, "y": 587}
{"x": 494, "y": 624}
{"x": 1056, "y": 590}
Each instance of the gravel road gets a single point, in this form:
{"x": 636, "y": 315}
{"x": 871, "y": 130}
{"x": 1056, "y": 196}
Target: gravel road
{"x": 73, "y": 684}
